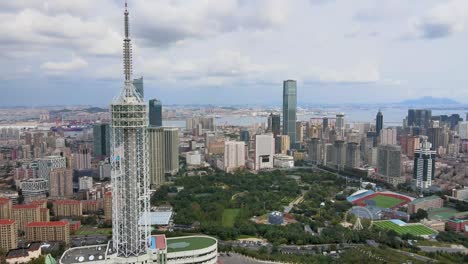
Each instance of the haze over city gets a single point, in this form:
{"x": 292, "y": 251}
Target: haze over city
{"x": 233, "y": 131}
{"x": 237, "y": 52}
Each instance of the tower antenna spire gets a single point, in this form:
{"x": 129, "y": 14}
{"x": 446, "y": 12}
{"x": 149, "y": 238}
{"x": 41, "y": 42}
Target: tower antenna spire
{"x": 127, "y": 47}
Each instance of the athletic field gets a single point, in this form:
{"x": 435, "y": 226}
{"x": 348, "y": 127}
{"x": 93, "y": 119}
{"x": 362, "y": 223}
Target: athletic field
{"x": 384, "y": 201}
{"x": 402, "y": 228}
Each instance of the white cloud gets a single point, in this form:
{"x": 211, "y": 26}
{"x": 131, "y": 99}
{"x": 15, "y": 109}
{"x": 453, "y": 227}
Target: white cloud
{"x": 76, "y": 63}
{"x": 441, "y": 21}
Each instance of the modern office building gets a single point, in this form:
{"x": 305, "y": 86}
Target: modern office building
{"x": 419, "y": 118}
{"x": 389, "y": 163}
{"x": 234, "y": 155}
{"x": 171, "y": 150}
{"x": 245, "y": 136}
{"x": 289, "y": 109}
{"x": 274, "y": 124}
{"x": 61, "y": 183}
{"x": 138, "y": 84}
{"x": 129, "y": 156}
{"x": 101, "y": 135}
{"x": 48, "y": 163}
{"x": 8, "y": 234}
{"x": 155, "y": 113}
{"x": 156, "y": 156}
{"x": 264, "y": 151}
{"x": 424, "y": 164}
{"x": 378, "y": 123}
{"x": 34, "y": 189}
{"x": 48, "y": 231}
{"x": 324, "y": 123}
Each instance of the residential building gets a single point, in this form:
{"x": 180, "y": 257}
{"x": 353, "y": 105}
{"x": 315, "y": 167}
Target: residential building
{"x": 316, "y": 151}
{"x": 25, "y": 213}
{"x": 424, "y": 165}
{"x": 353, "y": 157}
{"x": 171, "y": 150}
{"x": 61, "y": 183}
{"x": 299, "y": 132}
{"x": 388, "y": 136}
{"x": 66, "y": 208}
{"x": 82, "y": 158}
{"x": 389, "y": 163}
{"x": 8, "y": 234}
{"x": 5, "y": 208}
{"x": 108, "y": 206}
{"x": 156, "y": 156}
{"x": 234, "y": 155}
{"x": 48, "y": 231}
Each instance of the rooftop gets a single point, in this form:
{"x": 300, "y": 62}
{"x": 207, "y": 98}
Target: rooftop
{"x": 6, "y": 222}
{"x": 67, "y": 202}
{"x": 4, "y": 200}
{"x": 179, "y": 244}
{"x": 47, "y": 224}
{"x": 25, "y": 206}
{"x": 88, "y": 254}
{"x": 424, "y": 199}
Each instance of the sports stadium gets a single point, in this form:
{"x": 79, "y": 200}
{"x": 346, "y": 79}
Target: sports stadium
{"x": 385, "y": 200}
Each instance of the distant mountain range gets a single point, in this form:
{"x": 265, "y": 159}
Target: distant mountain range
{"x": 429, "y": 100}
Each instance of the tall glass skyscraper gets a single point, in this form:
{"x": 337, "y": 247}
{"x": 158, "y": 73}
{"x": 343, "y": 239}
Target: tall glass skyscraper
{"x": 289, "y": 109}
{"x": 138, "y": 83}
{"x": 155, "y": 113}
{"x": 378, "y": 123}
{"x": 101, "y": 135}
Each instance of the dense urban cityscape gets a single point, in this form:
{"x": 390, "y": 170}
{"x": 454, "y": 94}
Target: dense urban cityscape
{"x": 142, "y": 181}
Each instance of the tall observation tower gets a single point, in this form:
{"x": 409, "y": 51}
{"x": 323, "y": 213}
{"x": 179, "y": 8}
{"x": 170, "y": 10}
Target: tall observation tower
{"x": 130, "y": 183}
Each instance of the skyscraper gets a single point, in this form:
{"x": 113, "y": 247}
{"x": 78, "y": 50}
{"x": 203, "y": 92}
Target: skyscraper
{"x": 138, "y": 83}
{"x": 289, "y": 109}
{"x": 171, "y": 150}
{"x": 424, "y": 164}
{"x": 299, "y": 132}
{"x": 101, "y": 134}
{"x": 340, "y": 125}
{"x": 389, "y": 163}
{"x": 352, "y": 155}
{"x": 274, "y": 124}
{"x": 130, "y": 183}
{"x": 234, "y": 155}
{"x": 419, "y": 118}
{"x": 264, "y": 151}
{"x": 378, "y": 122}
{"x": 315, "y": 151}
{"x": 244, "y": 136}
{"x": 155, "y": 113}
{"x": 156, "y": 156}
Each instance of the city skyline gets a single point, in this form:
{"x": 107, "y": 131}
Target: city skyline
{"x": 190, "y": 57}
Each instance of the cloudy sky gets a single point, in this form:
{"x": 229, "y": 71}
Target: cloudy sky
{"x": 234, "y": 51}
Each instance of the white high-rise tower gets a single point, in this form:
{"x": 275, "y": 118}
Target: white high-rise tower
{"x": 130, "y": 183}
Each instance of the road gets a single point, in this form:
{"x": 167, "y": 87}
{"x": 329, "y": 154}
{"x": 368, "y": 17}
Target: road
{"x": 443, "y": 249}
{"x": 237, "y": 259}
{"x": 416, "y": 256}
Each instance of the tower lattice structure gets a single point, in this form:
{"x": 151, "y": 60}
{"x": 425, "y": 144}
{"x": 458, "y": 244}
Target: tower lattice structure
{"x": 130, "y": 182}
